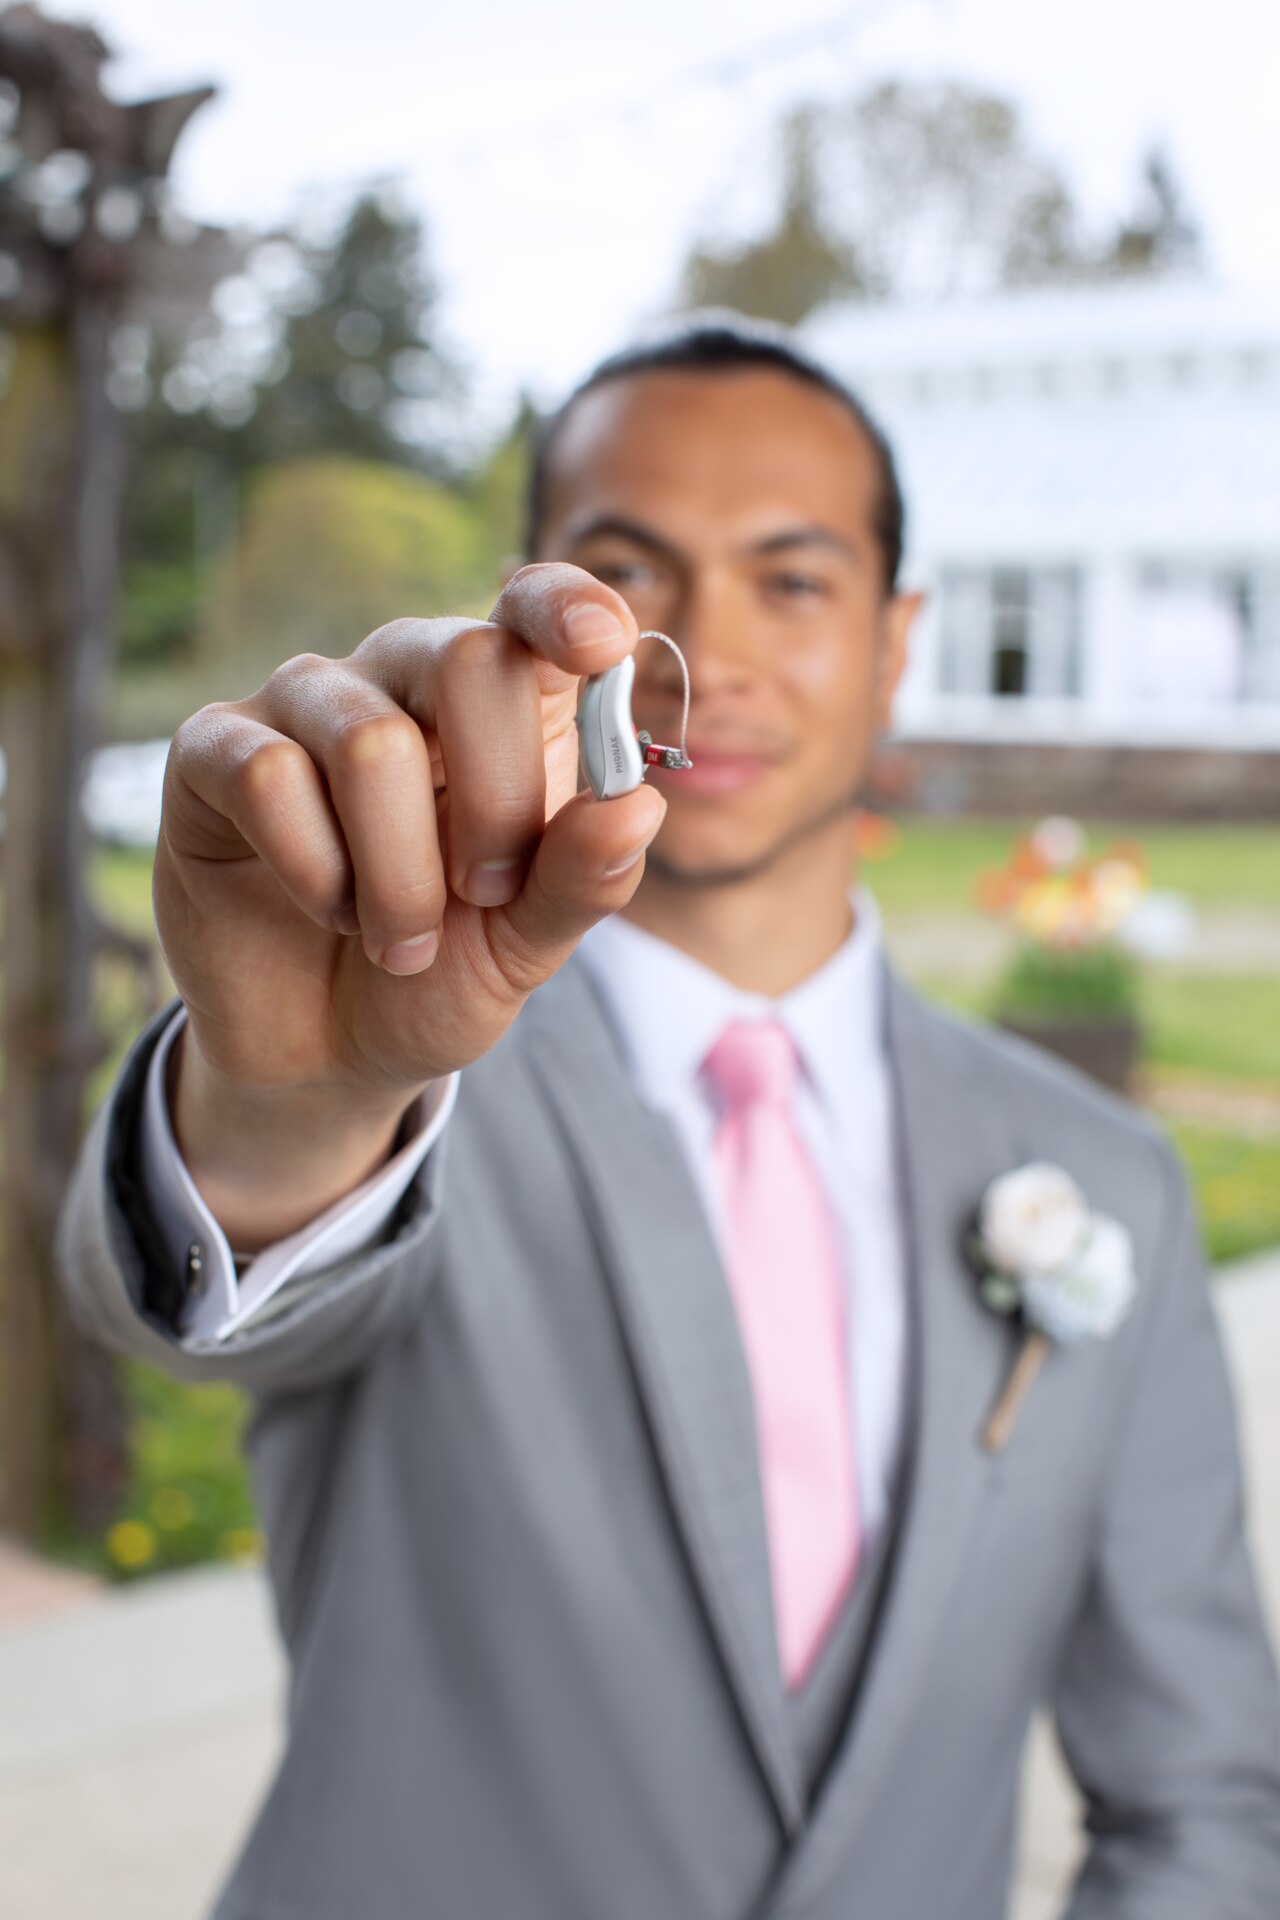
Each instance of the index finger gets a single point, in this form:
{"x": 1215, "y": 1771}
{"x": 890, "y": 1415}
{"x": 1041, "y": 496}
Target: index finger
{"x": 567, "y": 616}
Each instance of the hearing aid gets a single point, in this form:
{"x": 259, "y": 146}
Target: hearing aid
{"x": 614, "y": 754}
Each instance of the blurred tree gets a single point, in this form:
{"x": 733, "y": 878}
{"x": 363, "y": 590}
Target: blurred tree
{"x": 943, "y": 192}
{"x": 315, "y": 347}
{"x": 330, "y": 548}
{"x": 926, "y": 191}
{"x": 1161, "y": 235}
{"x": 792, "y": 270}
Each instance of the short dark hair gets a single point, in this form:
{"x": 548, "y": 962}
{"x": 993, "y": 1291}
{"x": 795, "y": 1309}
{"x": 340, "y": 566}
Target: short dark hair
{"x": 723, "y": 342}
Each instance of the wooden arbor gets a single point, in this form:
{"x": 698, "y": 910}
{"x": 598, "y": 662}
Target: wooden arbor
{"x": 84, "y": 239}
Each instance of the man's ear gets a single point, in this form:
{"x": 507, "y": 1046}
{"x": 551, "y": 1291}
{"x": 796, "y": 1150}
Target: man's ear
{"x": 891, "y": 656}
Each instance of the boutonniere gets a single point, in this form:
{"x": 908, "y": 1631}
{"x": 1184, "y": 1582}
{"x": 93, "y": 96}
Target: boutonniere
{"x": 1042, "y": 1255}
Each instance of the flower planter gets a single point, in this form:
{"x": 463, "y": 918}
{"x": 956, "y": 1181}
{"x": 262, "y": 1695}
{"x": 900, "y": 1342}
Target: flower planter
{"x": 1107, "y": 1049}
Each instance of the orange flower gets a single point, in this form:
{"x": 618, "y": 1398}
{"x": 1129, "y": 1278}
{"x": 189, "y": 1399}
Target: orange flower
{"x": 874, "y": 837}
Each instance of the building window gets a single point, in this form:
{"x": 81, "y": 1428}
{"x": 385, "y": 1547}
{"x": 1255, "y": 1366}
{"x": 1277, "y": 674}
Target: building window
{"x": 1207, "y": 635}
{"x": 1262, "y": 648}
{"x": 1011, "y": 632}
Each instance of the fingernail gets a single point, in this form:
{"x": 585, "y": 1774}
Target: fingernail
{"x": 346, "y": 920}
{"x": 493, "y": 882}
{"x": 637, "y": 853}
{"x": 587, "y": 626}
{"x": 411, "y": 956}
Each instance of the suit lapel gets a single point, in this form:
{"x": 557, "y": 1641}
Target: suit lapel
{"x": 951, "y": 1142}
{"x": 677, "y": 1317}
{"x": 678, "y": 1320}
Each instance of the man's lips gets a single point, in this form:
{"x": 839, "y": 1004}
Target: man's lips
{"x": 715, "y": 769}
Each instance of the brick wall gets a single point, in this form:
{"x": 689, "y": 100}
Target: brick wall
{"x": 1129, "y": 783}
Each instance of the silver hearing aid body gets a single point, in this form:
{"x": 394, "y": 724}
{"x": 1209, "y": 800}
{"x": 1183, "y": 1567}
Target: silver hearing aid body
{"x": 613, "y": 754}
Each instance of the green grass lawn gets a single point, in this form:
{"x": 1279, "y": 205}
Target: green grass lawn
{"x": 1221, "y": 1024}
{"x": 1236, "y": 1180}
{"x": 189, "y": 1499}
{"x": 935, "y": 864}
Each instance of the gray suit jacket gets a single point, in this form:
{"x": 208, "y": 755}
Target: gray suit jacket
{"x": 507, "y": 1468}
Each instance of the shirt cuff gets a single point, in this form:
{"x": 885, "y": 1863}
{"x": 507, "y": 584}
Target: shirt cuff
{"x": 218, "y": 1302}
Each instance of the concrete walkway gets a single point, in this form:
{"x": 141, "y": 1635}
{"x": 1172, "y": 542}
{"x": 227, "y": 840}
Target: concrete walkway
{"x": 35, "y": 1589}
{"x": 139, "y": 1727}
{"x": 965, "y": 945}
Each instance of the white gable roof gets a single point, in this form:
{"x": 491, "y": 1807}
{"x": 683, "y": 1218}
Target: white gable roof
{"x": 1134, "y": 418}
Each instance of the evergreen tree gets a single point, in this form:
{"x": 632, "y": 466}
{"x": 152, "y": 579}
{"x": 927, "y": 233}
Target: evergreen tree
{"x": 360, "y": 368}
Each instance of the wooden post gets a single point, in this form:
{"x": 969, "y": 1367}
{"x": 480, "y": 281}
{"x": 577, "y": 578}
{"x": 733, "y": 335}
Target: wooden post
{"x": 62, "y": 1453}
{"x": 61, "y": 1422}
{"x": 36, "y": 442}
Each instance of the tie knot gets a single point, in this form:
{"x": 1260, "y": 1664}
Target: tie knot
{"x": 753, "y": 1062}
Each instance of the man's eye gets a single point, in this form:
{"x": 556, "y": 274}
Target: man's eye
{"x": 798, "y": 586}
{"x": 622, "y": 573}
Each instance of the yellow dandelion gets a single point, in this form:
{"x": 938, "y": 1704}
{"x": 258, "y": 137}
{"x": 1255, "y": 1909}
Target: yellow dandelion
{"x": 131, "y": 1543}
{"x": 243, "y": 1544}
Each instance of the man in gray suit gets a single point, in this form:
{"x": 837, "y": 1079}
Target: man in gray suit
{"x": 591, "y": 1233}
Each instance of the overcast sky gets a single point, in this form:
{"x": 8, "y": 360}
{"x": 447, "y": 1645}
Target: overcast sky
{"x": 565, "y": 153}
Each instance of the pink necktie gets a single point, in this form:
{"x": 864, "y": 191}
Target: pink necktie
{"x": 784, "y": 1273}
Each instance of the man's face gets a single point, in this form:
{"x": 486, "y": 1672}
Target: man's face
{"x": 735, "y": 512}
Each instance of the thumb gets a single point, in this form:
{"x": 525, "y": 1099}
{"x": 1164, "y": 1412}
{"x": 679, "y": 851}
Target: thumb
{"x": 588, "y": 864}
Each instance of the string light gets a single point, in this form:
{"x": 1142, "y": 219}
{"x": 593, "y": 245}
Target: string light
{"x": 634, "y": 110}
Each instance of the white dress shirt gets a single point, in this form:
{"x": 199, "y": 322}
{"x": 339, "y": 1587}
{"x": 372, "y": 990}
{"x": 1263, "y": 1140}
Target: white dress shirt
{"x": 223, "y": 1301}
{"x": 667, "y": 1010}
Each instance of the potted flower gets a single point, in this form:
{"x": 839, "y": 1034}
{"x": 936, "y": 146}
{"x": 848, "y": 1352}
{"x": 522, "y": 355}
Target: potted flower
{"x": 1070, "y": 983}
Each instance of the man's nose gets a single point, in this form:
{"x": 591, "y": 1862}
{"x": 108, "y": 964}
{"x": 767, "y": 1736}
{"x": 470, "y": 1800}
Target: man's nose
{"x": 713, "y": 629}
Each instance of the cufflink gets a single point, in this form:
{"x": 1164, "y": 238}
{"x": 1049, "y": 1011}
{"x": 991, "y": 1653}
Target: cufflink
{"x": 197, "y": 1279}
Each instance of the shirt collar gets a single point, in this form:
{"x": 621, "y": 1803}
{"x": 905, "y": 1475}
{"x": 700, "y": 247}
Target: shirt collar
{"x": 668, "y": 1010}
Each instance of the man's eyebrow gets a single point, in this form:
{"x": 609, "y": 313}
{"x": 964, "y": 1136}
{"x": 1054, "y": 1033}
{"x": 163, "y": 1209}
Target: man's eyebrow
{"x": 784, "y": 541}
{"x": 621, "y": 528}
{"x": 808, "y": 536}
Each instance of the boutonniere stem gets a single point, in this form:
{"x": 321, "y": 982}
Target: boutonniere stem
{"x": 1031, "y": 1357}
{"x": 1067, "y": 1273}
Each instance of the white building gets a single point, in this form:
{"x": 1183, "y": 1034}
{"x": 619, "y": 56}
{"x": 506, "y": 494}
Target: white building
{"x": 1093, "y": 491}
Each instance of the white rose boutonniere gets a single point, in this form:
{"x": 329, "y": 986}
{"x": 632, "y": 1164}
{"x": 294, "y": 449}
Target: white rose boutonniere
{"x": 1042, "y": 1254}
